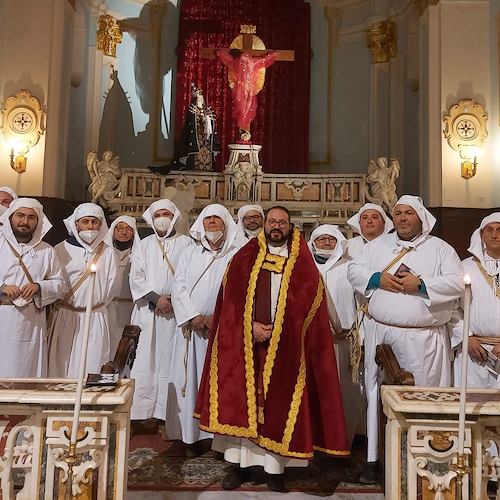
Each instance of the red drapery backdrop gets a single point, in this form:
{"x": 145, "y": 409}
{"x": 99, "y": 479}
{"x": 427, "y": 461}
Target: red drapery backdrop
{"x": 282, "y": 122}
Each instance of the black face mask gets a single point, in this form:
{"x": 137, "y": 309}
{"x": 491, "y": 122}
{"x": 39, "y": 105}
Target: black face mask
{"x": 123, "y": 245}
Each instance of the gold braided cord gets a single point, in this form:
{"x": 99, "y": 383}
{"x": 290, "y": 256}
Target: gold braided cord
{"x": 332, "y": 452}
{"x": 214, "y": 380}
{"x": 280, "y": 448}
{"x": 301, "y": 379}
{"x": 487, "y": 340}
{"x": 487, "y": 277}
{"x": 280, "y": 309}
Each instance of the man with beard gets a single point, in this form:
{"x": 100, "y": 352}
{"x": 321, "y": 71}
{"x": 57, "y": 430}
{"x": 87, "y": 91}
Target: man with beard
{"x": 31, "y": 278}
{"x": 412, "y": 280}
{"x": 250, "y": 220}
{"x": 270, "y": 389}
{"x": 85, "y": 246}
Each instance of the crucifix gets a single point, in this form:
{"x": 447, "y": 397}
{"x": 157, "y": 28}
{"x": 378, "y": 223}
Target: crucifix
{"x": 247, "y": 59}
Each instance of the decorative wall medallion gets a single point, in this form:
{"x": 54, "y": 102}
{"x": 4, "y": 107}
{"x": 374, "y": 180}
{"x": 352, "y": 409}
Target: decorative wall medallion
{"x": 23, "y": 120}
{"x": 465, "y": 126}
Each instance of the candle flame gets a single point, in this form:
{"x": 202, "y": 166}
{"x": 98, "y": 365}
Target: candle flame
{"x": 93, "y": 268}
{"x": 467, "y": 279}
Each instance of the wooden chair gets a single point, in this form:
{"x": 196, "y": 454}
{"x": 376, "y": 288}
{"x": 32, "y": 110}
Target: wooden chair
{"x": 125, "y": 353}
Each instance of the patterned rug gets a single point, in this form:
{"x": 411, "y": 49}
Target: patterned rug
{"x": 158, "y": 464}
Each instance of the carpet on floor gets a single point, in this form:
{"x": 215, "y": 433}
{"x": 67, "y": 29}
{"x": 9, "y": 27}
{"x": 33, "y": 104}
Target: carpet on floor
{"x": 157, "y": 464}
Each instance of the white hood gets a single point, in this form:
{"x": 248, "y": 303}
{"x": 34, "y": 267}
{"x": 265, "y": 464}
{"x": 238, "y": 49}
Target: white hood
{"x": 478, "y": 248}
{"x": 244, "y": 210}
{"x": 87, "y": 210}
{"x": 339, "y": 248}
{"x": 162, "y": 205}
{"x": 127, "y": 220}
{"x": 42, "y": 228}
{"x": 427, "y": 219}
{"x": 354, "y": 220}
{"x": 232, "y": 234}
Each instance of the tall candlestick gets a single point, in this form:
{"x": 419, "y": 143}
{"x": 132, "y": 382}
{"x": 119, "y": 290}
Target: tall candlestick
{"x": 83, "y": 356}
{"x": 465, "y": 359}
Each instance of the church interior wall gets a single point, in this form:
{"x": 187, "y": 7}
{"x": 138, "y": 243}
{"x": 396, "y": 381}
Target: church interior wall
{"x": 320, "y": 115}
{"x": 494, "y": 112}
{"x": 24, "y": 66}
{"x": 465, "y": 74}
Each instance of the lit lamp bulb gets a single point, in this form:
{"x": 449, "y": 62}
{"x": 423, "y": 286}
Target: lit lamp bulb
{"x": 17, "y": 163}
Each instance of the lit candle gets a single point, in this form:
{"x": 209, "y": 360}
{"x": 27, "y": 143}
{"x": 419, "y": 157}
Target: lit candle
{"x": 465, "y": 358}
{"x": 83, "y": 356}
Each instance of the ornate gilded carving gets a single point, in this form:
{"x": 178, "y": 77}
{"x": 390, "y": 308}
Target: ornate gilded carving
{"x": 109, "y": 35}
{"x": 383, "y": 41}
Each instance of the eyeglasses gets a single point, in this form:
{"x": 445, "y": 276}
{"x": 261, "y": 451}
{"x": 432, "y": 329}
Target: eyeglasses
{"x": 325, "y": 239}
{"x": 249, "y": 218}
{"x": 281, "y": 223}
{"x": 124, "y": 229}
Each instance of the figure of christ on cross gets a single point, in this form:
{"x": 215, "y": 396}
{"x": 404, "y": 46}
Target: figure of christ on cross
{"x": 246, "y": 65}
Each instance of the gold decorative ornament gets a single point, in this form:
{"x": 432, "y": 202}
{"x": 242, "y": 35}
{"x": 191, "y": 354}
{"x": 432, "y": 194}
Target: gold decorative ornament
{"x": 108, "y": 36}
{"x": 383, "y": 41}
{"x": 465, "y": 131}
{"x": 22, "y": 125}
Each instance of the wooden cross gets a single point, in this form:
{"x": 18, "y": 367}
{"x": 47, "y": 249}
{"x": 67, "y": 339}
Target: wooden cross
{"x": 248, "y": 32}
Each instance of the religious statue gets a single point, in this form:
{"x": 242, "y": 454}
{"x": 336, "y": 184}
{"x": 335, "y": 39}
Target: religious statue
{"x": 199, "y": 142}
{"x": 104, "y": 177}
{"x": 247, "y": 59}
{"x": 381, "y": 180}
{"x": 245, "y": 84}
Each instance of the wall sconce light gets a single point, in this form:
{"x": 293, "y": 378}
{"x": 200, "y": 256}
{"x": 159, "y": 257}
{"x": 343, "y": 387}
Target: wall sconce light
{"x": 469, "y": 167}
{"x": 17, "y": 159}
{"x": 22, "y": 126}
{"x": 465, "y": 130}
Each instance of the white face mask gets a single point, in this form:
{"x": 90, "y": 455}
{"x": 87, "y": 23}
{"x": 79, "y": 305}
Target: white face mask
{"x": 253, "y": 233}
{"x": 214, "y": 237}
{"x": 326, "y": 254}
{"x": 162, "y": 224}
{"x": 88, "y": 236}
{"x": 2, "y": 209}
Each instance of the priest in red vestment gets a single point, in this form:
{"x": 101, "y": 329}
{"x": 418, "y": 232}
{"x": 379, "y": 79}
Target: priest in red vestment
{"x": 270, "y": 391}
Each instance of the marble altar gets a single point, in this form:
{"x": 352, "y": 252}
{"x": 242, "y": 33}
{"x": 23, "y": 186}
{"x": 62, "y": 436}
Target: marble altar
{"x": 35, "y": 425}
{"x": 421, "y": 438}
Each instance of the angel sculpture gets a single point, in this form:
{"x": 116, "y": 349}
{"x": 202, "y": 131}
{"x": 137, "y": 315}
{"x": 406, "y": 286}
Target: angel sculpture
{"x": 381, "y": 180}
{"x": 104, "y": 176}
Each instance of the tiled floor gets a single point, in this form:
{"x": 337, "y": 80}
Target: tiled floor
{"x": 240, "y": 495}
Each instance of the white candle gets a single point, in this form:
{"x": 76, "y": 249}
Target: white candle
{"x": 83, "y": 357}
{"x": 465, "y": 358}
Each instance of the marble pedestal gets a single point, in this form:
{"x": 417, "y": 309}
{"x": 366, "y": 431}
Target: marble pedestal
{"x": 421, "y": 438}
{"x": 243, "y": 173}
{"x": 35, "y": 423}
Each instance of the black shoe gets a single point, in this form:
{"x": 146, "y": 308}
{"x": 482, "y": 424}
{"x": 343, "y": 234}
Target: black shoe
{"x": 370, "y": 474}
{"x": 194, "y": 450}
{"x": 235, "y": 478}
{"x": 276, "y": 482}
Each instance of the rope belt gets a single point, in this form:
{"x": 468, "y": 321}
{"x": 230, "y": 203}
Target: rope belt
{"x": 119, "y": 299}
{"x": 487, "y": 340}
{"x": 61, "y": 304}
{"x": 6, "y": 303}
